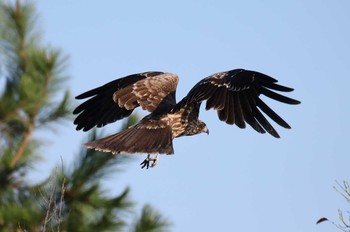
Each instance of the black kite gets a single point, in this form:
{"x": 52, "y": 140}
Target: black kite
{"x": 234, "y": 94}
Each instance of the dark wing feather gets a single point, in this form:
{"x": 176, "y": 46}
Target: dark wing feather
{"x": 149, "y": 136}
{"x": 117, "y": 99}
{"x": 235, "y": 95}
{"x": 238, "y": 112}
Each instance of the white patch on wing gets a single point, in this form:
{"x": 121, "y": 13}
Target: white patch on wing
{"x": 240, "y": 88}
{"x": 220, "y": 84}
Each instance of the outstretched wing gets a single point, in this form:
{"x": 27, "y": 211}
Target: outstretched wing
{"x": 117, "y": 99}
{"x": 235, "y": 96}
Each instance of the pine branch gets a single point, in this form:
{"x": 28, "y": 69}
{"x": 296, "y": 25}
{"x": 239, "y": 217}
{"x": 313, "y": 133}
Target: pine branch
{"x": 21, "y": 34}
{"x": 22, "y": 145}
{"x": 151, "y": 221}
{"x": 75, "y": 199}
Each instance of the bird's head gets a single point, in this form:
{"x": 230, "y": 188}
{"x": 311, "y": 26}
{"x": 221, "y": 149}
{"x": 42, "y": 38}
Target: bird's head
{"x": 202, "y": 127}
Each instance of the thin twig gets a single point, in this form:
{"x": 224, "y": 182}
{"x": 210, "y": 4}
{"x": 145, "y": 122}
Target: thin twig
{"x": 63, "y": 189}
{"x": 48, "y": 211}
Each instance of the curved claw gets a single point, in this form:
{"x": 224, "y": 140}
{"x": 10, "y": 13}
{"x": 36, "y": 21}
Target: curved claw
{"x": 145, "y": 163}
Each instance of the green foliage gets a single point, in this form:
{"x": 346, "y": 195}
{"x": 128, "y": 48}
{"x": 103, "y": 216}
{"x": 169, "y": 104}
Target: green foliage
{"x": 33, "y": 98}
{"x": 151, "y": 221}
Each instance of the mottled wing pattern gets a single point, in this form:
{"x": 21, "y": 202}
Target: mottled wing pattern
{"x": 235, "y": 96}
{"x": 147, "y": 93}
{"x": 117, "y": 99}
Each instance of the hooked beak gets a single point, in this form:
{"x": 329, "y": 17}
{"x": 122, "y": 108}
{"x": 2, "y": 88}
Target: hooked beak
{"x": 206, "y": 130}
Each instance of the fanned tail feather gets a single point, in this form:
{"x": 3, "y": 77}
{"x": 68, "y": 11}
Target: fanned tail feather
{"x": 136, "y": 139}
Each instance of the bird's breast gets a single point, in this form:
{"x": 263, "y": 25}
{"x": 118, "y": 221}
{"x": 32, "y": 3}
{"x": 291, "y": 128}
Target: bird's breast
{"x": 181, "y": 124}
{"x": 177, "y": 124}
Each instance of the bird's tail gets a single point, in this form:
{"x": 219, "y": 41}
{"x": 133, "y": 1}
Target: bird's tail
{"x": 136, "y": 139}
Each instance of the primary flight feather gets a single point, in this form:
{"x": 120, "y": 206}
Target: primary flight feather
{"x": 234, "y": 94}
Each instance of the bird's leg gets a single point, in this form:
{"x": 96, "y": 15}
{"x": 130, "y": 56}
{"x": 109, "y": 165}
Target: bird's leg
{"x": 148, "y": 160}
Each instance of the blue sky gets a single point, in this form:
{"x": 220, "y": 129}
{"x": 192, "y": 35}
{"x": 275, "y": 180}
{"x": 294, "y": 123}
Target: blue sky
{"x": 233, "y": 179}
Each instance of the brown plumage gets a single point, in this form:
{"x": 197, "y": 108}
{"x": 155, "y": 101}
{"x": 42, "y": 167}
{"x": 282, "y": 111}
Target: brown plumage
{"x": 234, "y": 94}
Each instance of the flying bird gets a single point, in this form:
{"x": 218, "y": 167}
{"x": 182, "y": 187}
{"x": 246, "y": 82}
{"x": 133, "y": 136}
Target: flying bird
{"x": 234, "y": 94}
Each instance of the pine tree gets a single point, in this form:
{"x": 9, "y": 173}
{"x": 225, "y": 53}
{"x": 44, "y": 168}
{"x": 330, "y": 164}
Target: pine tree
{"x": 150, "y": 221}
{"x": 71, "y": 198}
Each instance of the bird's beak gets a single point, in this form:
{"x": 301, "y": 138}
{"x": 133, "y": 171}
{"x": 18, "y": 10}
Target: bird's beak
{"x": 206, "y": 130}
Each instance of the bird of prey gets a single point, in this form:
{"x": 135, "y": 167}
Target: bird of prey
{"x": 234, "y": 94}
